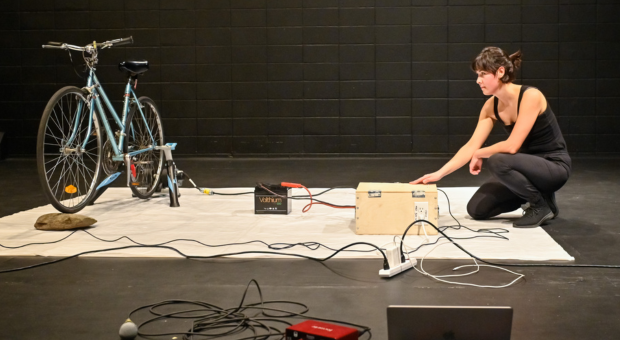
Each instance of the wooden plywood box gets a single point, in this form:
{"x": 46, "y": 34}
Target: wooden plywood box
{"x": 389, "y": 208}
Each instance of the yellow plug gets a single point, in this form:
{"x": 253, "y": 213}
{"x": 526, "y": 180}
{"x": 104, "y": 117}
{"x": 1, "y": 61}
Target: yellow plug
{"x": 207, "y": 191}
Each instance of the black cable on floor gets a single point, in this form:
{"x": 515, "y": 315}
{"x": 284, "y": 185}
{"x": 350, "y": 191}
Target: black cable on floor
{"x": 308, "y": 245}
{"x": 494, "y": 231}
{"x": 273, "y": 246}
{"x": 311, "y": 198}
{"x": 211, "y": 321}
{"x": 454, "y": 238}
{"x": 441, "y": 231}
{"x": 298, "y": 197}
{"x": 322, "y": 192}
{"x": 40, "y": 243}
{"x": 232, "y": 194}
{"x": 215, "y": 193}
{"x": 504, "y": 264}
{"x": 385, "y": 261}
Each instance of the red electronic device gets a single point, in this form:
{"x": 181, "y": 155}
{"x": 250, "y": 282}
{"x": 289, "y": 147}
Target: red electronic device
{"x": 315, "y": 330}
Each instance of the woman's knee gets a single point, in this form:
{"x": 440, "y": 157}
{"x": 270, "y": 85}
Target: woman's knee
{"x": 473, "y": 209}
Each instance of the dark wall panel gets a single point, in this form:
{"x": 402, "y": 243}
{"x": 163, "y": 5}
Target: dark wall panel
{"x": 310, "y": 77}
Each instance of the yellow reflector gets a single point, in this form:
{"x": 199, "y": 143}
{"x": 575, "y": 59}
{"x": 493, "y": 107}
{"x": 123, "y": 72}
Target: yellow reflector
{"x": 70, "y": 189}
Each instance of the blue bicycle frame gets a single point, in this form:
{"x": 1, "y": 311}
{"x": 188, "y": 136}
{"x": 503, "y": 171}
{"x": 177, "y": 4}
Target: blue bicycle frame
{"x": 96, "y": 92}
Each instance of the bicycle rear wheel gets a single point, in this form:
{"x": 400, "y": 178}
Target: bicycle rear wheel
{"x": 146, "y": 167}
{"x": 68, "y": 171}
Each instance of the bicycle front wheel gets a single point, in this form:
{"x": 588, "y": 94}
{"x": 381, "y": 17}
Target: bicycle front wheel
{"x": 146, "y": 167}
{"x": 69, "y": 150}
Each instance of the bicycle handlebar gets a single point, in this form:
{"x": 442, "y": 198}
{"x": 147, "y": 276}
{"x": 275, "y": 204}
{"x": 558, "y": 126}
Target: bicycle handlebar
{"x": 89, "y": 48}
{"x": 121, "y": 41}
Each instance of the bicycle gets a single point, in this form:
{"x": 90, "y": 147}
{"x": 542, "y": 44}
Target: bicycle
{"x": 71, "y": 153}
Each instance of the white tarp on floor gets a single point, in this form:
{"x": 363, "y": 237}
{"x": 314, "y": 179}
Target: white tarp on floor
{"x": 216, "y": 220}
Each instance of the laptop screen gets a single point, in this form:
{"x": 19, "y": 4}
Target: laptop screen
{"x": 449, "y": 323}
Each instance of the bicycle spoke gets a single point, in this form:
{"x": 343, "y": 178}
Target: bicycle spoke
{"x": 75, "y": 180}
{"x": 143, "y": 131}
{"x": 83, "y": 174}
{"x": 53, "y": 159}
{"x": 91, "y": 172}
{"x": 61, "y": 179}
{"x": 50, "y": 144}
{"x": 90, "y": 157}
{"x": 55, "y": 121}
{"x": 54, "y": 167}
{"x": 70, "y": 174}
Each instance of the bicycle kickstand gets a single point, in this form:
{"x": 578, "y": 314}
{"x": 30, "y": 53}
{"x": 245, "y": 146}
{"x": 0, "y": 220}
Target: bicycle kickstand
{"x": 173, "y": 186}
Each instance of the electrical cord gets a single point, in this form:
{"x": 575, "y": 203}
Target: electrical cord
{"x": 162, "y": 246}
{"x": 322, "y": 192}
{"x": 309, "y": 245}
{"x": 212, "y": 321}
{"x": 309, "y": 205}
{"x": 449, "y": 209}
{"x": 476, "y": 264}
{"x": 40, "y": 243}
{"x": 293, "y": 197}
{"x": 298, "y": 197}
{"x": 273, "y": 246}
{"x": 475, "y": 258}
{"x": 232, "y": 194}
{"x": 501, "y": 264}
{"x": 496, "y": 232}
{"x": 211, "y": 192}
{"x": 313, "y": 246}
{"x": 457, "y": 238}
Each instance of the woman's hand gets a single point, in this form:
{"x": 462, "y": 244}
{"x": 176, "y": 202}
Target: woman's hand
{"x": 428, "y": 178}
{"x": 475, "y": 165}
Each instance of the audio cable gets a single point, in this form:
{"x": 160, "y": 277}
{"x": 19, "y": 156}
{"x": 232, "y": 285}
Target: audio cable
{"x": 257, "y": 320}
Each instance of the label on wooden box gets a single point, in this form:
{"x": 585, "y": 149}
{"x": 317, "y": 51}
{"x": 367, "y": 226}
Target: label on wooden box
{"x": 389, "y": 208}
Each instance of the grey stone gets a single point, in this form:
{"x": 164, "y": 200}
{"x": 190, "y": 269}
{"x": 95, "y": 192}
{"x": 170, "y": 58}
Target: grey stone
{"x": 59, "y": 221}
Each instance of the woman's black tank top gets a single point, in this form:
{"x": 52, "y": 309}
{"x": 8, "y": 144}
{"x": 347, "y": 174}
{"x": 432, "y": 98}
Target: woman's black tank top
{"x": 545, "y": 136}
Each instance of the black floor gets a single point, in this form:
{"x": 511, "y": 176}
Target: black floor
{"x": 89, "y": 298}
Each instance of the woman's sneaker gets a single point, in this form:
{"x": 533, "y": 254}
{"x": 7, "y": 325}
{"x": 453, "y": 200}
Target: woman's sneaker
{"x": 534, "y": 216}
{"x": 550, "y": 200}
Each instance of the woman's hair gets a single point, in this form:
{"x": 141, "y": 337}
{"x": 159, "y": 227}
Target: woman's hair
{"x": 492, "y": 58}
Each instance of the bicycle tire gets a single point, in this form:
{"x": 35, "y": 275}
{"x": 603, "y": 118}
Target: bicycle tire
{"x": 68, "y": 178}
{"x": 147, "y": 165}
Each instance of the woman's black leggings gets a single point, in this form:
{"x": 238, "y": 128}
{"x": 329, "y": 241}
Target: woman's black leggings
{"x": 518, "y": 178}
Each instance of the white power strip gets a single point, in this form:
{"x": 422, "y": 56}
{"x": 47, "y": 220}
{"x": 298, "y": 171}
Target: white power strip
{"x": 393, "y": 256}
{"x": 398, "y": 269}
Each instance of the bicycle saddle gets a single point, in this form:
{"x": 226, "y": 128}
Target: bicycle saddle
{"x": 134, "y": 67}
